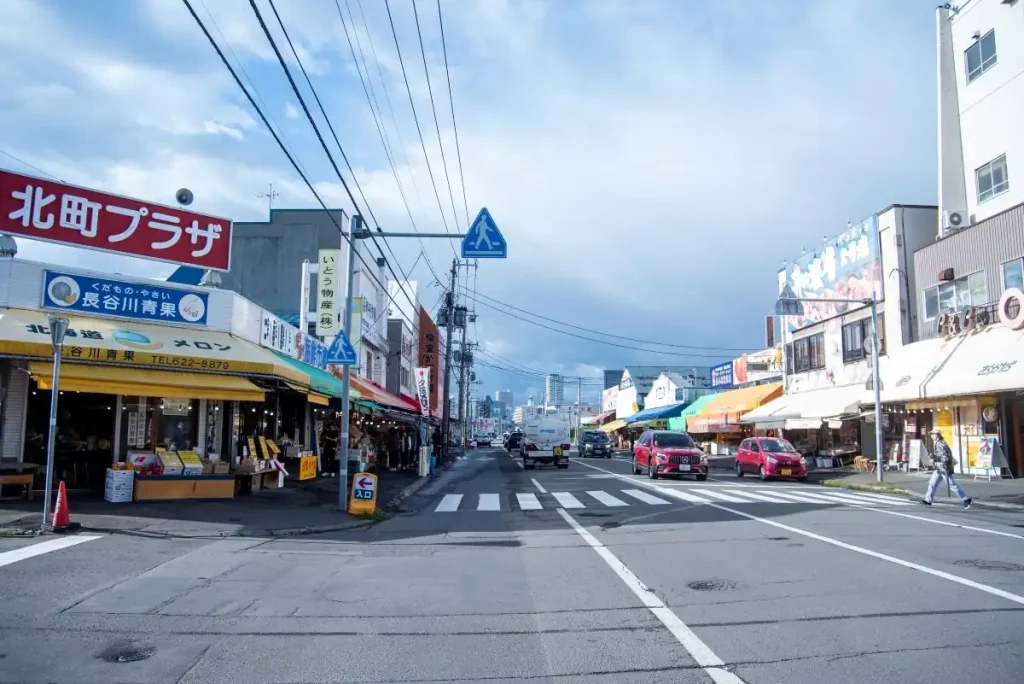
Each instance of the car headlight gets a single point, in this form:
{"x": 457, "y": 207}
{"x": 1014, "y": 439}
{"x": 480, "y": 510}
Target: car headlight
{"x": 771, "y": 459}
{"x": 661, "y": 457}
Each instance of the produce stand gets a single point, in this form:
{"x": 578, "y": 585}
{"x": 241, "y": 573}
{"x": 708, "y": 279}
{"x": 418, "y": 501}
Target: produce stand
{"x": 167, "y": 475}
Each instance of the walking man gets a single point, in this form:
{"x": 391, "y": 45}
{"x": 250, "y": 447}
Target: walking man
{"x": 942, "y": 455}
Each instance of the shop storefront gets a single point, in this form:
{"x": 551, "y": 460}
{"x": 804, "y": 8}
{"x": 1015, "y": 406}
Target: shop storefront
{"x": 679, "y": 422}
{"x": 719, "y": 420}
{"x": 386, "y": 431}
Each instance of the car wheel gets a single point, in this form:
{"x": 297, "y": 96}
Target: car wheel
{"x": 701, "y": 478}
{"x": 564, "y": 466}
{"x": 802, "y": 479}
{"x": 529, "y": 466}
{"x": 636, "y": 469}
{"x": 739, "y": 469}
{"x": 652, "y": 472}
{"x": 762, "y": 473}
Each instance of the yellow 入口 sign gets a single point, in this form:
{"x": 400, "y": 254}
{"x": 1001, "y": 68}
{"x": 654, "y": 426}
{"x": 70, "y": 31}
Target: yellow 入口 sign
{"x": 363, "y": 498}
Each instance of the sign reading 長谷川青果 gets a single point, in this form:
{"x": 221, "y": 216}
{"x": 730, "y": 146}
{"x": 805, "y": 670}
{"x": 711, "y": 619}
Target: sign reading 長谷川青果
{"x": 121, "y": 299}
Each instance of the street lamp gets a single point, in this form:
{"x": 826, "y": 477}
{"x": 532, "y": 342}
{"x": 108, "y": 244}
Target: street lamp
{"x": 789, "y": 304}
{"x": 58, "y": 328}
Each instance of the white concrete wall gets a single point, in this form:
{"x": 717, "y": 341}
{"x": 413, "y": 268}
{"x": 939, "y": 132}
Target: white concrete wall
{"x": 991, "y": 105}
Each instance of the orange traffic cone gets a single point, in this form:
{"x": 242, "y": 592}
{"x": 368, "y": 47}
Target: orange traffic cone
{"x": 61, "y": 512}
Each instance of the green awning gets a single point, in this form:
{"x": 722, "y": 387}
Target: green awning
{"x": 679, "y": 422}
{"x": 320, "y": 381}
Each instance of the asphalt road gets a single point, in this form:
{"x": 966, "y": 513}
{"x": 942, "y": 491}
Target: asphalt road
{"x": 496, "y": 574}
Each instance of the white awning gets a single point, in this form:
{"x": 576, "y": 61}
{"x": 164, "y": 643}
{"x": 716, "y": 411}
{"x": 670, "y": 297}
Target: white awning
{"x": 807, "y": 410}
{"x": 982, "y": 362}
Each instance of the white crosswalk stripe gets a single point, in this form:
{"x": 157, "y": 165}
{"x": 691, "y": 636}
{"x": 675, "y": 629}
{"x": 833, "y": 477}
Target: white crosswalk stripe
{"x": 528, "y": 501}
{"x": 607, "y": 499}
{"x": 567, "y": 500}
{"x": 721, "y": 496}
{"x": 449, "y": 504}
{"x": 489, "y": 502}
{"x": 645, "y": 497}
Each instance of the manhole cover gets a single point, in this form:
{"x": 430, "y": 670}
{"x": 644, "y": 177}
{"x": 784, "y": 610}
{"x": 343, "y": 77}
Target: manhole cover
{"x": 127, "y": 654}
{"x": 712, "y": 585}
{"x": 991, "y": 565}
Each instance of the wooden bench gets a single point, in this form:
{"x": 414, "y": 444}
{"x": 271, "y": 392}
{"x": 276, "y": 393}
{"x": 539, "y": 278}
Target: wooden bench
{"x": 25, "y": 479}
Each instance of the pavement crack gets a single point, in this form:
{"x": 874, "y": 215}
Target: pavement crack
{"x": 884, "y": 651}
{"x": 858, "y": 616}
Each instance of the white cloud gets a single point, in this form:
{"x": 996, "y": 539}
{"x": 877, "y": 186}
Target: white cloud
{"x": 290, "y": 111}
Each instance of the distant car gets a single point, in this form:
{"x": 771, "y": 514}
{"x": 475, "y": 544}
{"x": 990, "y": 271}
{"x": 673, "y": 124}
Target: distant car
{"x": 483, "y": 442}
{"x": 596, "y": 443}
{"x": 667, "y": 452}
{"x": 769, "y": 457}
{"x": 513, "y": 441}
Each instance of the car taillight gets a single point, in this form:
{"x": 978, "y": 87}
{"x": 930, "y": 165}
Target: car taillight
{"x": 531, "y": 447}
{"x": 567, "y": 446}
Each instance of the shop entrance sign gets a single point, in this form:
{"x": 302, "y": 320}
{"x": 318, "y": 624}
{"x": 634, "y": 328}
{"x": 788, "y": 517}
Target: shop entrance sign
{"x": 364, "y": 494}
{"x": 57, "y": 212}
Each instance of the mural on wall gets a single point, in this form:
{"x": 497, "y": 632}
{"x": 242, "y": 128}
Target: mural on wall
{"x": 758, "y": 367}
{"x": 848, "y": 266}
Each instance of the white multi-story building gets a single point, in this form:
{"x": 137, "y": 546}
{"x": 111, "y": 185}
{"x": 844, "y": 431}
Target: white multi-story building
{"x": 554, "y": 390}
{"x": 981, "y": 140}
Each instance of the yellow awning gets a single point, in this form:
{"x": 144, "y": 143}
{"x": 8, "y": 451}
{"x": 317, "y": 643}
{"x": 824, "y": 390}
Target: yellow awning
{"x": 614, "y": 425}
{"x": 130, "y": 344}
{"x": 727, "y": 407}
{"x": 313, "y": 397}
{"x": 142, "y": 382}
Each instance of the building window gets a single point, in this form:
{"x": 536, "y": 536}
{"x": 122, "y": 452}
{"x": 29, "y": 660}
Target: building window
{"x": 806, "y": 354}
{"x": 951, "y": 296}
{"x": 981, "y": 56}
{"x": 857, "y": 339}
{"x": 992, "y": 179}
{"x": 1013, "y": 274}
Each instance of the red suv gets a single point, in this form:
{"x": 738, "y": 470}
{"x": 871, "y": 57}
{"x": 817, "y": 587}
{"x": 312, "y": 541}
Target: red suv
{"x": 664, "y": 452}
{"x": 769, "y": 457}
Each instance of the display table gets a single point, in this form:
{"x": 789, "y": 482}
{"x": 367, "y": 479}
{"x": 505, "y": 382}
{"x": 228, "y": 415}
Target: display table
{"x": 164, "y": 487}
{"x": 250, "y": 483}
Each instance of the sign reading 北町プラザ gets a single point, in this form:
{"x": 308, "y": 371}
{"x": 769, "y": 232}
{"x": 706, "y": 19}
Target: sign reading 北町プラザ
{"x": 66, "y": 214}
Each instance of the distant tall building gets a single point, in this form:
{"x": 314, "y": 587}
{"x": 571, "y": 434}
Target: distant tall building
{"x": 554, "y": 389}
{"x": 612, "y": 378}
{"x": 505, "y": 396}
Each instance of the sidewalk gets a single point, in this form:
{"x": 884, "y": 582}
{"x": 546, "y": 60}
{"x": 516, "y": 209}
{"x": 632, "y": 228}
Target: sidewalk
{"x": 997, "y": 493}
{"x": 300, "y": 508}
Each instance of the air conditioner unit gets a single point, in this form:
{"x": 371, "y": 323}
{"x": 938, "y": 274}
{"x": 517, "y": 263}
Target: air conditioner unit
{"x": 952, "y": 221}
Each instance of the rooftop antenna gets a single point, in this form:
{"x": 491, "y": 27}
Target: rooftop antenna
{"x": 270, "y": 196}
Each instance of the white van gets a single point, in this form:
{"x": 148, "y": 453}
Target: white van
{"x": 545, "y": 441}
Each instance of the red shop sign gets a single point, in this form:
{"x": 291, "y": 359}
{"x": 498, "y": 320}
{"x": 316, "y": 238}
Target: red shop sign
{"x": 66, "y": 214}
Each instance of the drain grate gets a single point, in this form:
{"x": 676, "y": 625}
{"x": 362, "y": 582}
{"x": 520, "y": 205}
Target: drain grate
{"x": 589, "y": 514}
{"x": 712, "y": 585}
{"x": 1001, "y": 566}
{"x": 122, "y": 653}
{"x": 499, "y": 543}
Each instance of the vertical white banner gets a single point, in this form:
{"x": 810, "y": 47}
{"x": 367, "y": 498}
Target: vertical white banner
{"x": 423, "y": 389}
{"x": 328, "y": 292}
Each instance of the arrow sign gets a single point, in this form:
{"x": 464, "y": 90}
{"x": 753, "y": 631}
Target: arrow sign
{"x": 365, "y": 482}
{"x": 484, "y": 240}
{"x": 341, "y": 353}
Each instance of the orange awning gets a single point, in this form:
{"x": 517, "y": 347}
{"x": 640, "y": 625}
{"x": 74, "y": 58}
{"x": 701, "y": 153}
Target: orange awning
{"x": 726, "y": 408}
{"x": 371, "y": 391}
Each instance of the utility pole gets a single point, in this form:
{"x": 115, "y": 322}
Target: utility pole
{"x": 449, "y": 307}
{"x": 579, "y": 419}
{"x": 270, "y": 196}
{"x": 463, "y": 358}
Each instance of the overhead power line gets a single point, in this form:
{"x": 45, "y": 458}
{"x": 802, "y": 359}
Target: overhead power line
{"x": 451, "y": 102}
{"x": 433, "y": 109}
{"x": 479, "y": 298}
{"x": 415, "y": 117}
{"x": 284, "y": 149}
{"x": 316, "y": 129}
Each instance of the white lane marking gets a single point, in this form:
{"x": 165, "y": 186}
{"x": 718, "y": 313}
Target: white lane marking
{"x": 538, "y": 485}
{"x": 567, "y": 500}
{"x": 489, "y": 502}
{"x": 644, "y": 496}
{"x": 528, "y": 501}
{"x": 1015, "y": 598}
{"x": 607, "y": 499}
{"x": 878, "y": 498}
{"x": 15, "y": 555}
{"x": 678, "y": 494}
{"x": 697, "y": 649}
{"x": 764, "y": 497}
{"x": 950, "y": 524}
{"x": 720, "y": 495}
{"x": 449, "y": 504}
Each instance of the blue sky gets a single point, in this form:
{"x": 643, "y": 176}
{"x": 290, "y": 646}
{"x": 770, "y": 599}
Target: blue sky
{"x": 651, "y": 163}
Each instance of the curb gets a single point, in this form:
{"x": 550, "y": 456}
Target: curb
{"x": 273, "y": 533}
{"x": 408, "y": 491}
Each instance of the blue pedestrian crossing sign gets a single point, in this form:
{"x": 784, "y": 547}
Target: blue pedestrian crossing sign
{"x": 484, "y": 240}
{"x": 341, "y": 353}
